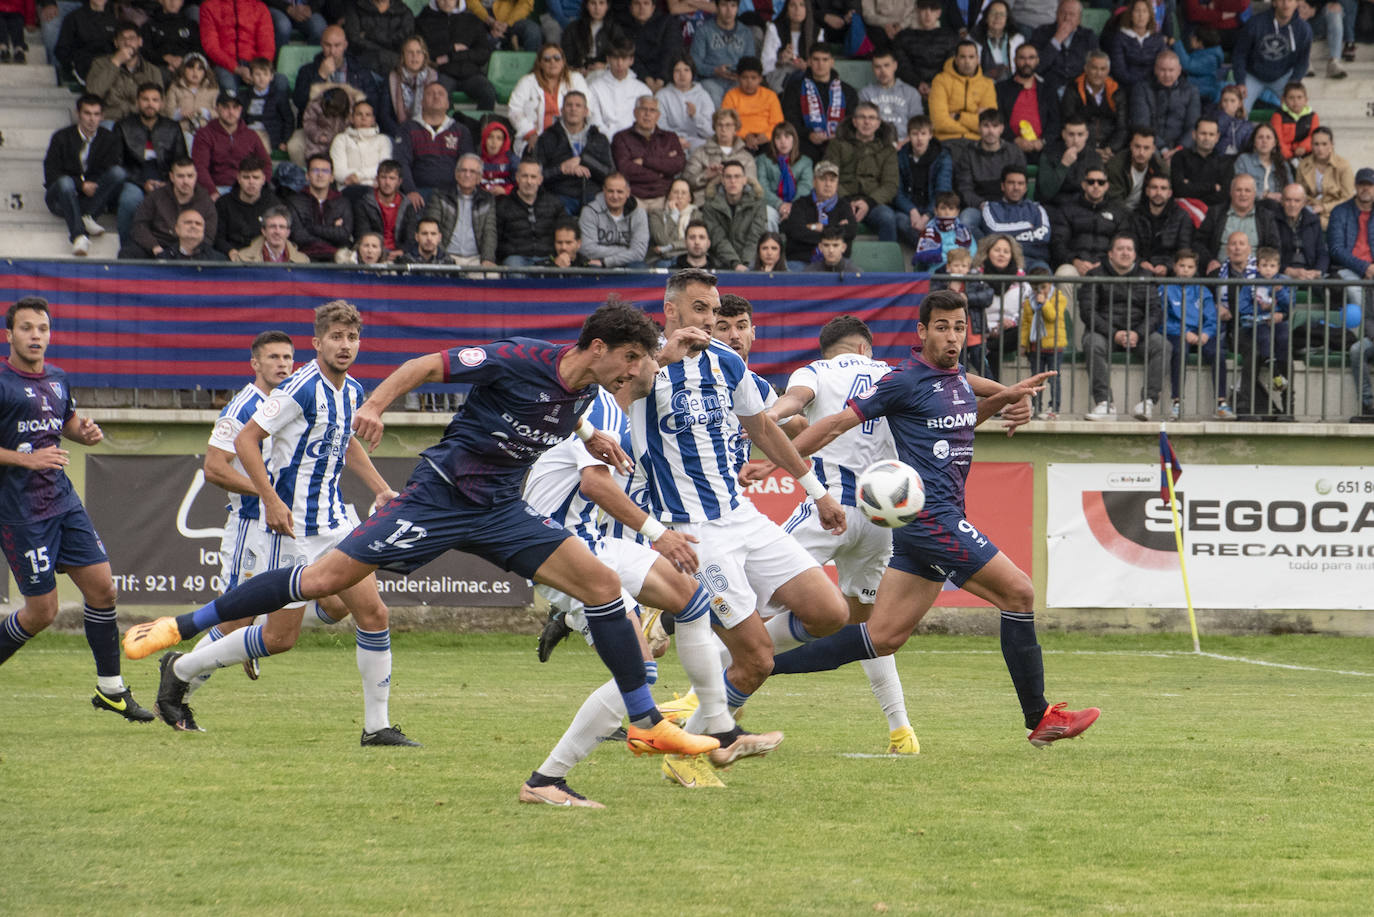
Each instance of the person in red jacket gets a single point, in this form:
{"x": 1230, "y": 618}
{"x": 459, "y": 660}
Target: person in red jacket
{"x": 1294, "y": 123}
{"x": 234, "y": 32}
{"x": 222, "y": 144}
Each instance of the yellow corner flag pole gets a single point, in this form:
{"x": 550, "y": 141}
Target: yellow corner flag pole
{"x": 1178, "y": 542}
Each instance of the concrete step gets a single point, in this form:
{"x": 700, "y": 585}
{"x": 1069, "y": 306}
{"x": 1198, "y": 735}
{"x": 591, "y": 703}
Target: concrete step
{"x": 17, "y": 115}
{"x": 25, "y": 140}
{"x": 27, "y": 76}
{"x": 50, "y": 241}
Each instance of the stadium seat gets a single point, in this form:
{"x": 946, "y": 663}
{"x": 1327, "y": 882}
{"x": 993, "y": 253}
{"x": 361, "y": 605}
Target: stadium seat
{"x": 457, "y": 98}
{"x": 1261, "y": 115}
{"x": 505, "y": 69}
{"x": 417, "y": 6}
{"x": 857, "y": 73}
{"x": 291, "y": 58}
{"x": 1096, "y": 19}
{"x": 878, "y": 256}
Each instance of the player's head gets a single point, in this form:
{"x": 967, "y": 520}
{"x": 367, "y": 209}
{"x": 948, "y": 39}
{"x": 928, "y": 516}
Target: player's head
{"x": 273, "y": 356}
{"x": 846, "y": 334}
{"x": 28, "y": 328}
{"x": 690, "y": 300}
{"x": 617, "y": 337}
{"x": 735, "y": 324}
{"x": 338, "y": 331}
{"x": 943, "y": 327}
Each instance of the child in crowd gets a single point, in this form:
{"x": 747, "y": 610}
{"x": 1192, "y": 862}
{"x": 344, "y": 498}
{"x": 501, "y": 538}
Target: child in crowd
{"x": 1263, "y": 335}
{"x": 1202, "y": 59}
{"x": 498, "y": 166}
{"x": 959, "y": 267}
{"x": 758, "y": 107}
{"x": 266, "y": 106}
{"x": 1234, "y": 128}
{"x": 327, "y": 116}
{"x": 942, "y": 234}
{"x": 1044, "y": 334}
{"x": 1190, "y": 325}
{"x": 190, "y": 100}
{"x": 832, "y": 247}
{"x": 1294, "y": 122}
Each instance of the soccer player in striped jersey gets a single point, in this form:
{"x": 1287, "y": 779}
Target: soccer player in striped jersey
{"x": 932, "y": 412}
{"x": 684, "y": 431}
{"x": 310, "y": 421}
{"x": 43, "y": 526}
{"x": 527, "y": 396}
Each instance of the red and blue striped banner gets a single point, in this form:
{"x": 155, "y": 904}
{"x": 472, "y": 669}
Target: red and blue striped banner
{"x": 139, "y": 325}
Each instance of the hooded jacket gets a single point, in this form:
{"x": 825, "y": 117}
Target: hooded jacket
{"x": 498, "y": 171}
{"x": 921, "y": 53}
{"x": 1269, "y": 51}
{"x": 1025, "y": 221}
{"x": 240, "y": 222}
{"x": 169, "y": 33}
{"x": 1295, "y": 130}
{"x": 1188, "y": 307}
{"x": 616, "y": 242}
{"x": 734, "y": 232}
{"x": 707, "y": 155}
{"x": 956, "y": 100}
{"x": 234, "y": 31}
{"x": 359, "y": 151}
{"x": 868, "y": 169}
{"x": 319, "y": 128}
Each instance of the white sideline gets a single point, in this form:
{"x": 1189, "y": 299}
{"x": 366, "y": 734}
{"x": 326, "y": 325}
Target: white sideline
{"x": 1155, "y": 654}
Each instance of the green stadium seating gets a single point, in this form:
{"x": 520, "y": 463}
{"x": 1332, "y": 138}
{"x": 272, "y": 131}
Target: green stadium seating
{"x": 878, "y": 256}
{"x": 417, "y": 6}
{"x": 1261, "y": 115}
{"x": 1096, "y": 19}
{"x": 505, "y": 69}
{"x": 456, "y": 98}
{"x": 291, "y": 58}
{"x": 857, "y": 73}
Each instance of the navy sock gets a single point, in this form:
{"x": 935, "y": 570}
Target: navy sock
{"x": 614, "y": 638}
{"x": 1024, "y": 662}
{"x": 257, "y": 595}
{"x": 848, "y": 644}
{"x": 102, "y": 633}
{"x": 12, "y": 636}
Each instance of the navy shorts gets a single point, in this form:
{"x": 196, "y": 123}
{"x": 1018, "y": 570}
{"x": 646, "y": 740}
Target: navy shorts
{"x": 431, "y": 517}
{"x": 941, "y": 546}
{"x": 38, "y": 551}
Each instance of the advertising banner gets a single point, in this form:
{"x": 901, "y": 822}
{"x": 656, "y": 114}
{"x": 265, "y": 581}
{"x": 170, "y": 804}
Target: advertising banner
{"x": 1254, "y": 536}
{"x": 161, "y": 524}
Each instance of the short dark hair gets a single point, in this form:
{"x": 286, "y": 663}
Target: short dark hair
{"x": 841, "y": 327}
{"x": 144, "y": 87}
{"x": 388, "y": 165}
{"x": 1075, "y": 118}
{"x": 749, "y": 64}
{"x": 697, "y": 224}
{"x": 36, "y": 303}
{"x": 320, "y": 157}
{"x": 125, "y": 27}
{"x": 252, "y": 164}
{"x": 1294, "y": 84}
{"x": 1324, "y": 130}
{"x": 87, "y": 99}
{"x": 181, "y": 162}
{"x": 947, "y": 199}
{"x": 1210, "y": 119}
{"x": 1142, "y": 130}
{"x": 1185, "y": 254}
{"x": 731, "y": 162}
{"x": 260, "y": 63}
{"x": 1128, "y": 236}
{"x": 832, "y": 231}
{"x": 680, "y": 280}
{"x": 618, "y": 323}
{"x": 422, "y": 220}
{"x": 733, "y": 305}
{"x": 568, "y": 223}
{"x": 990, "y": 116}
{"x": 623, "y": 48}
{"x": 271, "y": 337}
{"x": 917, "y": 121}
{"x": 943, "y": 301}
{"x": 930, "y": 5}
{"x": 1013, "y": 169}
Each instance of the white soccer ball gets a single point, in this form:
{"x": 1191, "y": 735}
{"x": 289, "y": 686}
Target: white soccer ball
{"x": 891, "y": 493}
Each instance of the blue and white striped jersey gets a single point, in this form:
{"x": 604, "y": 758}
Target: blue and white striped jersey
{"x": 311, "y": 423}
{"x": 834, "y": 382}
{"x": 682, "y": 431}
{"x": 236, "y": 413}
{"x": 740, "y": 444}
{"x": 554, "y": 482}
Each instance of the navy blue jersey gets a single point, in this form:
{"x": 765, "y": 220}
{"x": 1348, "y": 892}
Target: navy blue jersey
{"x": 517, "y": 410}
{"x": 33, "y": 409}
{"x": 932, "y": 413}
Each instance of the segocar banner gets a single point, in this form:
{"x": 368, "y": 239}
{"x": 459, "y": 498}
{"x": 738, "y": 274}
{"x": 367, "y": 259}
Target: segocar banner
{"x": 1254, "y": 536}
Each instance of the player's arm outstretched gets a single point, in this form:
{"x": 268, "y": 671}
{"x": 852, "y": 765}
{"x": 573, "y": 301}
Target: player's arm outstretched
{"x": 815, "y": 437}
{"x": 773, "y": 442}
{"x": 248, "y": 446}
{"x": 1009, "y": 397}
{"x": 789, "y": 405}
{"x": 367, "y": 420}
{"x": 1016, "y": 414}
{"x": 598, "y": 486}
{"x": 357, "y": 461}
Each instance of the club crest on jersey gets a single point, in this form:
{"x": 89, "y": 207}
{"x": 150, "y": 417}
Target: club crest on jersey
{"x": 56, "y": 388}
{"x": 271, "y": 407}
{"x": 940, "y": 449}
{"x": 472, "y": 356}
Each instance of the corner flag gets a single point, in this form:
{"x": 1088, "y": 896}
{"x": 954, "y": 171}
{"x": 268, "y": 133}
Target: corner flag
{"x": 1168, "y": 466}
{"x": 1169, "y": 473}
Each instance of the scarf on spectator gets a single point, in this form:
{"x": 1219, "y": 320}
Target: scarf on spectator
{"x": 1223, "y": 293}
{"x": 822, "y": 118}
{"x": 823, "y": 208}
{"x": 787, "y": 183}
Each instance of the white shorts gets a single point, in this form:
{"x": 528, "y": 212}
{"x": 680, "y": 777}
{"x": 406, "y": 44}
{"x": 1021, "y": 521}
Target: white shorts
{"x": 630, "y": 561}
{"x": 242, "y": 539}
{"x": 276, "y": 550}
{"x": 744, "y": 558}
{"x": 860, "y": 555}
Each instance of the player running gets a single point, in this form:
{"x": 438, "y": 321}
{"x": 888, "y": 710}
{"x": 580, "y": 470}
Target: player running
{"x": 527, "y": 396}
{"x": 43, "y": 526}
{"x": 932, "y": 412}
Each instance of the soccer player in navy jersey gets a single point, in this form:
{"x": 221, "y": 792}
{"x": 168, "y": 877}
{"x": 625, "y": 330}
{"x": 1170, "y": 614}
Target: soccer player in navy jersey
{"x": 527, "y": 396}
{"x": 43, "y": 526}
{"x": 932, "y": 411}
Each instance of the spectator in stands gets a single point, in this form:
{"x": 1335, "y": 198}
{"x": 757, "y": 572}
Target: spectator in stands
{"x": 239, "y": 213}
{"x": 865, "y": 149}
{"x": 921, "y": 51}
{"x": 1000, "y": 254}
{"x": 1272, "y": 51}
{"x": 116, "y": 77}
{"x": 1082, "y": 230}
{"x": 736, "y": 216}
{"x": 685, "y": 108}
{"x": 1350, "y": 242}
{"x": 958, "y": 94}
{"x": 334, "y": 64}
{"x": 1169, "y": 105}
{"x": 1225, "y": 17}
{"x": 697, "y": 250}
{"x": 510, "y": 24}
{"x": 717, "y": 46}
{"x": 896, "y": 100}
{"x": 668, "y": 225}
{"x": 1336, "y": 24}
{"x": 538, "y": 96}
{"x": 456, "y": 40}
{"x": 464, "y": 214}
{"x": 1262, "y": 335}
{"x": 1239, "y": 266}
{"x": 787, "y": 42}
{"x": 1191, "y": 327}
{"x": 817, "y": 103}
{"x": 233, "y": 32}
{"x": 1264, "y": 163}
{"x": 82, "y": 174}
{"x": 998, "y": 38}
{"x": 1162, "y": 227}
{"x": 367, "y": 251}
{"x": 647, "y": 157}
{"x": 1136, "y": 43}
{"x": 1064, "y": 45}
{"x": 1239, "y": 214}
{"x": 1032, "y": 14}
{"x": 523, "y": 225}
{"x": 944, "y": 233}
{"x": 326, "y": 117}
{"x": 1127, "y": 175}
{"x": 267, "y": 105}
{"x": 375, "y": 30}
{"x": 1028, "y": 106}
{"x": 768, "y": 254}
{"x": 190, "y": 98}
{"x": 785, "y": 175}
{"x": 567, "y": 246}
{"x": 575, "y": 155}
{"x": 831, "y": 249}
{"x": 758, "y": 107}
{"x": 358, "y": 151}
{"x": 1325, "y": 176}
{"x": 273, "y": 245}
{"x": 657, "y": 39}
{"x": 812, "y": 213}
{"x": 615, "y": 229}
{"x": 978, "y": 166}
{"x": 1101, "y": 102}
{"x": 321, "y": 217}
{"x": 924, "y": 169}
{"x": 1234, "y": 127}
{"x": 189, "y": 240}
{"x": 1202, "y": 173}
{"x": 1302, "y": 247}
{"x": 498, "y": 166}
{"x": 1122, "y": 317}
{"x": 428, "y": 148}
{"x": 613, "y": 96}
{"x": 705, "y": 165}
{"x": 1201, "y": 57}
{"x": 169, "y": 35}
{"x": 87, "y": 33}
{"x": 588, "y": 38}
{"x": 154, "y": 225}
{"x": 149, "y": 144}
{"x": 301, "y": 19}
{"x": 883, "y": 19}
{"x": 1023, "y": 220}
{"x": 1294, "y": 122}
{"x": 426, "y": 249}
{"x": 386, "y": 211}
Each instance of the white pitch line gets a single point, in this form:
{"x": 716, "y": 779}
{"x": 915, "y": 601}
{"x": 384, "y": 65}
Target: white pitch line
{"x": 1154, "y": 654}
{"x": 1282, "y": 665}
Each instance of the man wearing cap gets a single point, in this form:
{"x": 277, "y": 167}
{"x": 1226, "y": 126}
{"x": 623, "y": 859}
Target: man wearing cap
{"x": 812, "y": 213}
{"x": 222, "y": 144}
{"x": 1350, "y": 240}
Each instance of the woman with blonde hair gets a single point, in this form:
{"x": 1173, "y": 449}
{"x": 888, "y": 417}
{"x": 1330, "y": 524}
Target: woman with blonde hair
{"x": 1000, "y": 254}
{"x": 408, "y": 81}
{"x": 537, "y": 98}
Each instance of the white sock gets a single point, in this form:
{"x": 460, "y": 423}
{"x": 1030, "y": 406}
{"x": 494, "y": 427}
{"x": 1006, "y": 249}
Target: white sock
{"x": 210, "y": 636}
{"x": 887, "y": 688}
{"x": 374, "y": 665}
{"x": 782, "y": 628}
{"x": 110, "y": 685}
{"x": 217, "y": 654}
{"x": 598, "y": 717}
{"x": 697, "y": 650}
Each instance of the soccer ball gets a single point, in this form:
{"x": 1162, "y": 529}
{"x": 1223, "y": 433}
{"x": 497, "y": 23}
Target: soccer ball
{"x": 891, "y": 493}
